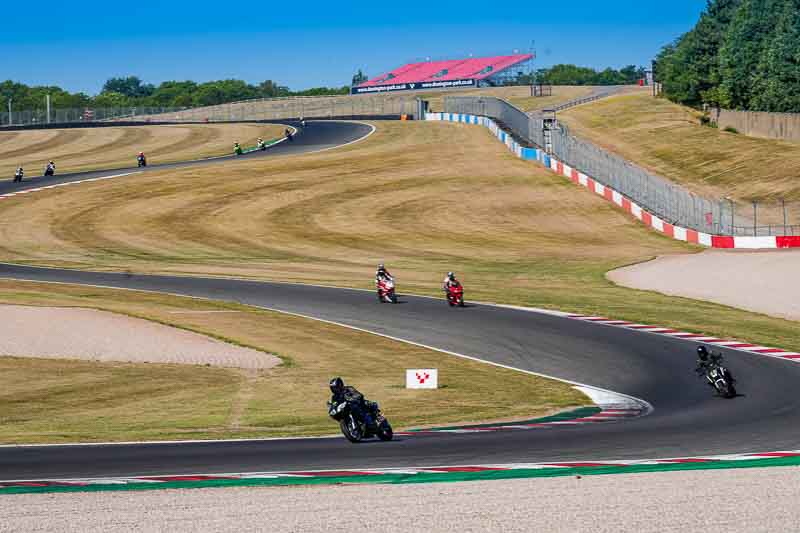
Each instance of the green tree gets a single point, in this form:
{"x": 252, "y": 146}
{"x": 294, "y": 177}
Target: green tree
{"x": 131, "y": 87}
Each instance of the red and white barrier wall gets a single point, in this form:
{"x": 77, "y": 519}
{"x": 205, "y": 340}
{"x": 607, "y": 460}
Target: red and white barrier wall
{"x": 649, "y": 219}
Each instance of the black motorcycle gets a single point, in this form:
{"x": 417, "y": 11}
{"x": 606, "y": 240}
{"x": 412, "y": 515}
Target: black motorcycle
{"x": 142, "y": 161}
{"x": 721, "y": 379}
{"x": 50, "y": 170}
{"x": 353, "y": 426}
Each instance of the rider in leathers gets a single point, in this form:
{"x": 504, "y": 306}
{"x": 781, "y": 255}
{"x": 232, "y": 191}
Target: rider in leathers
{"x": 706, "y": 360}
{"x": 449, "y": 281}
{"x": 360, "y": 406}
{"x": 381, "y": 274}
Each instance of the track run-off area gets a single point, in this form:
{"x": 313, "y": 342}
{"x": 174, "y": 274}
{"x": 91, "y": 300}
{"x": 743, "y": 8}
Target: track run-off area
{"x": 686, "y": 420}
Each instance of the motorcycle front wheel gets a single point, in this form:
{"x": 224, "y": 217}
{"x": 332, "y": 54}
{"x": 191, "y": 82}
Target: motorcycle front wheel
{"x": 351, "y": 429}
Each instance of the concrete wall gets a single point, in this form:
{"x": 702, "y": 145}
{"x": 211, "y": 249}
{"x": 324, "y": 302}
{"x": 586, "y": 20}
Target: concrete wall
{"x": 785, "y": 126}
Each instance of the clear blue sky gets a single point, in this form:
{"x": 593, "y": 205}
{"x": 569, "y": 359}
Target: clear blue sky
{"x": 78, "y": 45}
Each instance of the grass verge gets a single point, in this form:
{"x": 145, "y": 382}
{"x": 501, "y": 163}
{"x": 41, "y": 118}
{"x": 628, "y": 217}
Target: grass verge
{"x": 668, "y": 139}
{"x": 80, "y": 149}
{"x": 52, "y": 401}
{"x": 425, "y": 198}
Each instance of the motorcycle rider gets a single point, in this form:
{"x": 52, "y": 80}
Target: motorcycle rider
{"x": 707, "y": 360}
{"x": 260, "y": 143}
{"x": 141, "y": 160}
{"x": 450, "y": 281}
{"x": 18, "y": 175}
{"x": 237, "y": 149}
{"x": 381, "y": 274}
{"x": 360, "y": 406}
{"x": 50, "y": 170}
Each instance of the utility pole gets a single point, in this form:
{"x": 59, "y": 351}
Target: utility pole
{"x": 48, "y": 107}
{"x": 9, "y": 112}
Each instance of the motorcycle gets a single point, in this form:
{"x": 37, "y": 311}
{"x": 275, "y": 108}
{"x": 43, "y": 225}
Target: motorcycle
{"x": 354, "y": 428}
{"x": 237, "y": 150}
{"x": 50, "y": 170}
{"x": 455, "y": 295}
{"x": 141, "y": 161}
{"x": 721, "y": 379}
{"x": 386, "y": 292}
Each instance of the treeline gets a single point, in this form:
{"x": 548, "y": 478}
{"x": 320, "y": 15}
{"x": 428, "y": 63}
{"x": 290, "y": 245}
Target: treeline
{"x": 742, "y": 54}
{"x": 575, "y": 75}
{"x": 132, "y": 91}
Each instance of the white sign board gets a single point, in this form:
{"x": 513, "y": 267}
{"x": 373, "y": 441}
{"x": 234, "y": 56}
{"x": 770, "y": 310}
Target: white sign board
{"x": 425, "y": 378}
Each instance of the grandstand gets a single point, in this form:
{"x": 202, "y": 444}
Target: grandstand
{"x": 470, "y": 72}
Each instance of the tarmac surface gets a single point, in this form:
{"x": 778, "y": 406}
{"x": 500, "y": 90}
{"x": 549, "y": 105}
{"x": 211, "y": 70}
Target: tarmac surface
{"x": 688, "y": 419}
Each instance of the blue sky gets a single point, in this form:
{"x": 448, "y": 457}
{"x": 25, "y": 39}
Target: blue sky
{"x": 303, "y": 44}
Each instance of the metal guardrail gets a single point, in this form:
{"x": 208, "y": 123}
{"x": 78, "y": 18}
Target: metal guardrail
{"x": 667, "y": 200}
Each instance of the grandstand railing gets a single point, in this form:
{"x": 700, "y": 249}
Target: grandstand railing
{"x": 669, "y": 201}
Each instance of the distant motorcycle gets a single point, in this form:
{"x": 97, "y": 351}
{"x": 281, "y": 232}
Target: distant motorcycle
{"x": 50, "y": 170}
{"x": 354, "y": 427}
{"x": 386, "y": 292}
{"x": 722, "y": 380}
{"x": 142, "y": 162}
{"x": 237, "y": 149}
{"x": 455, "y": 295}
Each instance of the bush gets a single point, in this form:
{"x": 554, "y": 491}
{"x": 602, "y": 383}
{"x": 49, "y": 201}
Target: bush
{"x": 731, "y": 129}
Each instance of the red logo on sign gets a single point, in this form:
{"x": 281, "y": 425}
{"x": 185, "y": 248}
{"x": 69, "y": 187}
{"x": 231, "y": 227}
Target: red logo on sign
{"x": 422, "y": 378}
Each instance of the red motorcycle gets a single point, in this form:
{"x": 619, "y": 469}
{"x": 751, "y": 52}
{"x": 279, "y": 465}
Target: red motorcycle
{"x": 386, "y": 292}
{"x": 455, "y": 295}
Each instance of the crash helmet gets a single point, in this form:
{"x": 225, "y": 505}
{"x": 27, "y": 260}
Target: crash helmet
{"x": 381, "y": 268}
{"x": 451, "y": 276}
{"x": 141, "y": 154}
{"x": 336, "y": 385}
{"x": 51, "y": 163}
{"x": 702, "y": 353}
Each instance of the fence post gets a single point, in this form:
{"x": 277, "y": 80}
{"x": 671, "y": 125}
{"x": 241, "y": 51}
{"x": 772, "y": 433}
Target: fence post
{"x": 783, "y": 204}
{"x": 755, "y": 219}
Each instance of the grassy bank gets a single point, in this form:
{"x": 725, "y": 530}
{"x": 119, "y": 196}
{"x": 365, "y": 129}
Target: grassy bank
{"x": 78, "y": 149}
{"x": 66, "y": 401}
{"x": 423, "y": 197}
{"x": 668, "y": 139}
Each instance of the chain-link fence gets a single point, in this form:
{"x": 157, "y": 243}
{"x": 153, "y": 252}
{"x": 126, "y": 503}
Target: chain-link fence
{"x": 665, "y": 199}
{"x": 297, "y": 107}
{"x": 261, "y": 109}
{"x": 81, "y": 115}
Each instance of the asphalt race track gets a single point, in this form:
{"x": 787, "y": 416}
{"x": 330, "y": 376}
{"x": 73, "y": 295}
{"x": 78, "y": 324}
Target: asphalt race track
{"x": 688, "y": 419}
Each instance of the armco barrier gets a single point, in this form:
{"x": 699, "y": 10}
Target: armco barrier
{"x": 613, "y": 196}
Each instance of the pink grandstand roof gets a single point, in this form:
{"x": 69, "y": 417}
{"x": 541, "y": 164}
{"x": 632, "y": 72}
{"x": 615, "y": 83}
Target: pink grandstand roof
{"x": 458, "y": 69}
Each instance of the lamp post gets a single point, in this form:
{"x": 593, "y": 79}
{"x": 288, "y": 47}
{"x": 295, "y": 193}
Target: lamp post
{"x": 9, "y": 112}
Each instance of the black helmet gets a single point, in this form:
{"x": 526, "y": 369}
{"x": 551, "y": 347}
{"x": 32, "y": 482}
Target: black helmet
{"x": 702, "y": 353}
{"x": 336, "y": 385}
{"x": 451, "y": 276}
{"x": 381, "y": 268}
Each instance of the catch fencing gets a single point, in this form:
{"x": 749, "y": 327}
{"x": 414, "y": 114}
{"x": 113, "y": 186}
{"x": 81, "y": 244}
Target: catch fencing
{"x": 38, "y": 117}
{"x": 312, "y": 107}
{"x": 293, "y": 107}
{"x": 663, "y": 198}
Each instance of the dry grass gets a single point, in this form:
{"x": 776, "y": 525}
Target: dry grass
{"x": 423, "y": 197}
{"x": 669, "y": 140}
{"x": 62, "y": 401}
{"x": 518, "y": 96}
{"x": 113, "y": 147}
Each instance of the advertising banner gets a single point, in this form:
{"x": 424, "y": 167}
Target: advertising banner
{"x": 377, "y": 89}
